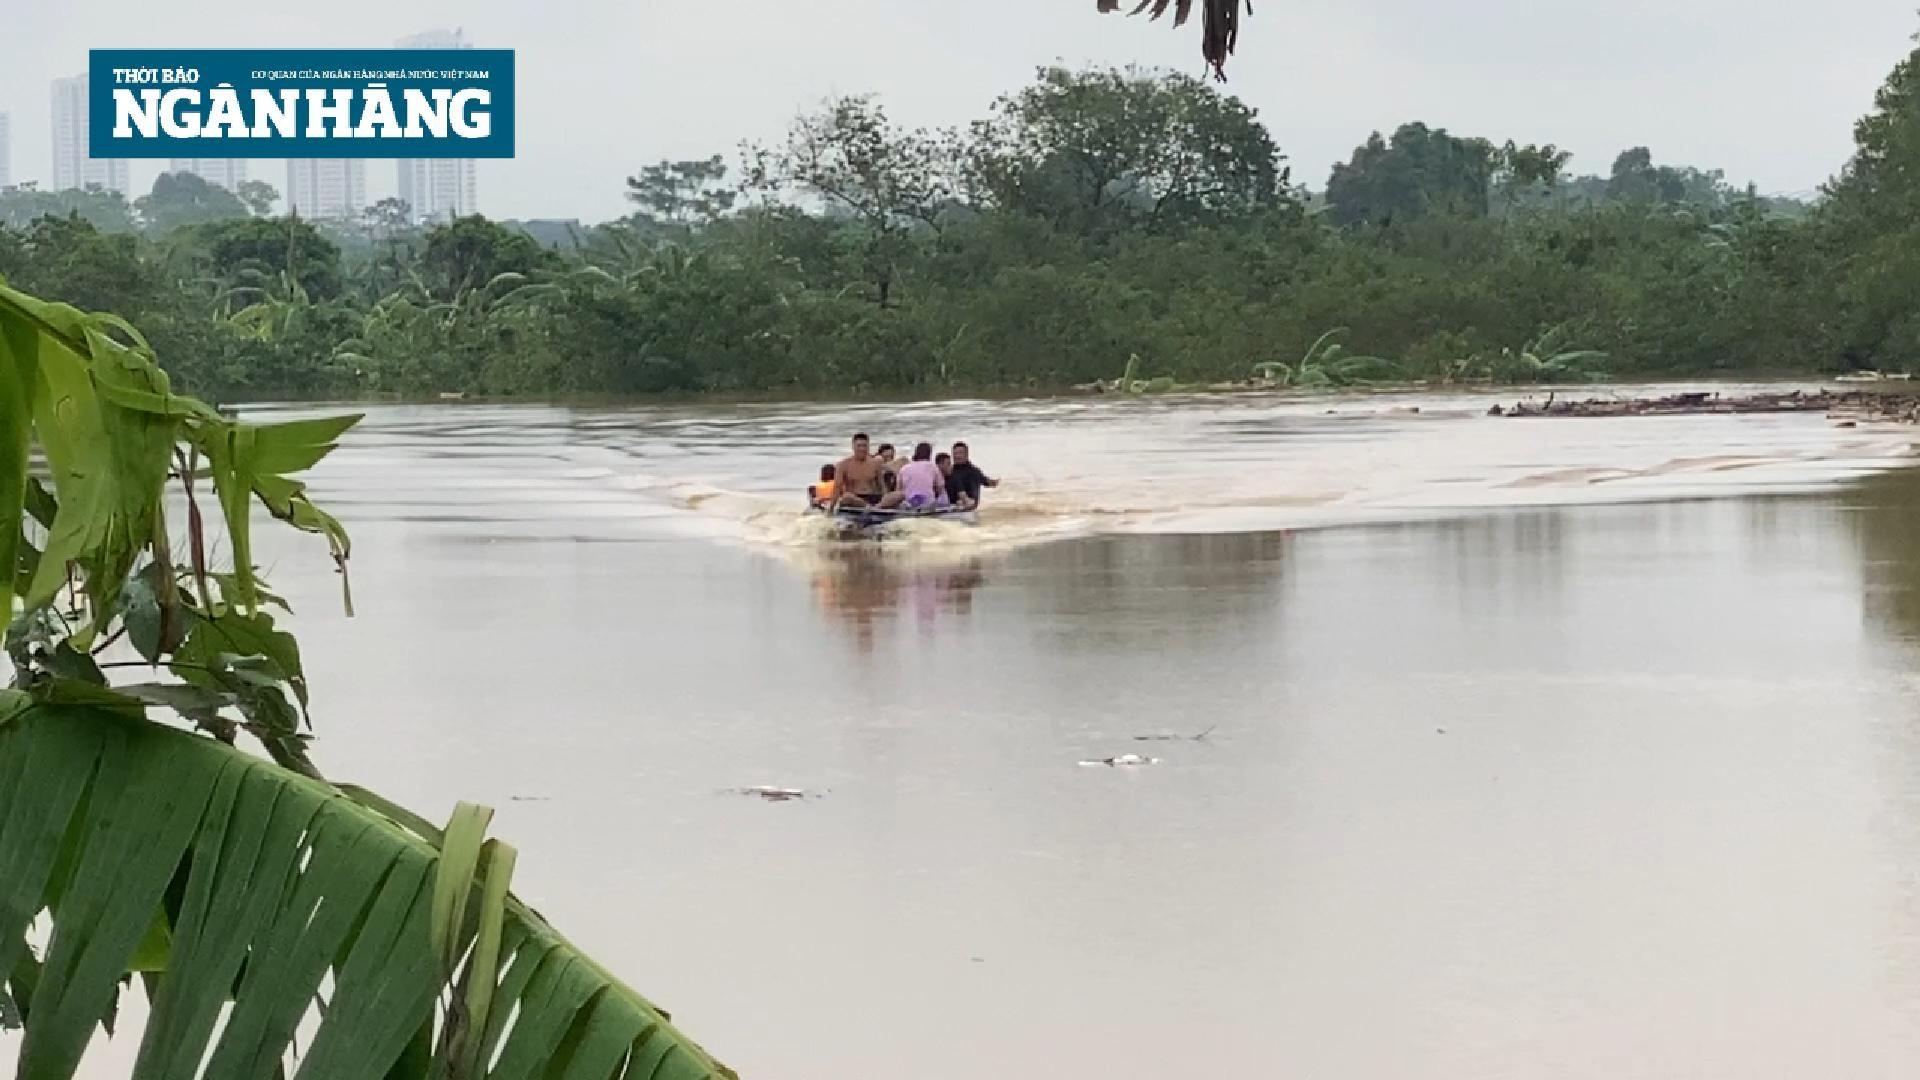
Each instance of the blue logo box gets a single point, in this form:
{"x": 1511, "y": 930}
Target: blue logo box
{"x": 300, "y": 103}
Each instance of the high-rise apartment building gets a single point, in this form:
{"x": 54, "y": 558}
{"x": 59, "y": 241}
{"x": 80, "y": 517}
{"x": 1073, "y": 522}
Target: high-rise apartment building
{"x": 438, "y": 189}
{"x": 73, "y": 167}
{"x": 228, "y": 173}
{"x": 6, "y": 152}
{"x": 330, "y": 188}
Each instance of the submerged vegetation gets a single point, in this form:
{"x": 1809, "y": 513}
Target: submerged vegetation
{"x": 277, "y": 924}
{"x": 1086, "y": 219}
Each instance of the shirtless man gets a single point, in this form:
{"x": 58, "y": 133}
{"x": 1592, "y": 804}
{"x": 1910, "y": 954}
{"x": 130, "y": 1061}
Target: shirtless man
{"x": 858, "y": 475}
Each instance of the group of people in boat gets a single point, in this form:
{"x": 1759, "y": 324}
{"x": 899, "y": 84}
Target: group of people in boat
{"x": 881, "y": 479}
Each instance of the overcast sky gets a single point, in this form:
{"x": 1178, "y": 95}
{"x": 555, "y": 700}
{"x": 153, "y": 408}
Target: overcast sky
{"x": 1765, "y": 89}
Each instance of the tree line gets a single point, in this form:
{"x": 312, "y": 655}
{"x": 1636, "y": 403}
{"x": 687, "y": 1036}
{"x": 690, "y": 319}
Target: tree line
{"x": 1092, "y": 223}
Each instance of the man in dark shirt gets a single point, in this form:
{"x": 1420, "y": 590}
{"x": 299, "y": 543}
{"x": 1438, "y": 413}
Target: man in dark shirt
{"x": 966, "y": 479}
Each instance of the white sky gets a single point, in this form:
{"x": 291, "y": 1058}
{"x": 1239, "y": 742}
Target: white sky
{"x": 1764, "y": 89}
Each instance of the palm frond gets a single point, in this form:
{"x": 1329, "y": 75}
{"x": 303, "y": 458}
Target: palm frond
{"x": 1220, "y": 24}
{"x": 242, "y": 890}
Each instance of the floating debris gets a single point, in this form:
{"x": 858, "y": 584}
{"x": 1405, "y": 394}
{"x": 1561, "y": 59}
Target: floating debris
{"x": 1124, "y": 761}
{"x": 776, "y": 794}
{"x": 1899, "y": 406}
{"x": 1176, "y": 738}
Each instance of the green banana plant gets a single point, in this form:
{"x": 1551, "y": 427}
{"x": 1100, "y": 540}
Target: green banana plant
{"x": 1545, "y": 359}
{"x": 1325, "y": 364}
{"x": 251, "y": 899}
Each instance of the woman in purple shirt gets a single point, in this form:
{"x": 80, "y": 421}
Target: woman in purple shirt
{"x": 920, "y": 479}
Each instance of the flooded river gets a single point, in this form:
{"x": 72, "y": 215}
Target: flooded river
{"x": 1569, "y": 748}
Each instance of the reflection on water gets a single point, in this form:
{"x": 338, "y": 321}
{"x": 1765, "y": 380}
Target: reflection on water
{"x": 1495, "y": 788}
{"x": 859, "y": 587}
{"x": 1114, "y": 592}
{"x": 1886, "y": 515}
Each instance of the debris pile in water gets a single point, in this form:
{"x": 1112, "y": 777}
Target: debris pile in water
{"x": 1897, "y": 406}
{"x": 776, "y": 794}
{"x": 1201, "y": 737}
{"x": 1124, "y": 761}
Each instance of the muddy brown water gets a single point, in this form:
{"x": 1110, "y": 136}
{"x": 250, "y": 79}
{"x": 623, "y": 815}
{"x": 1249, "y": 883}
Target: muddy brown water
{"x": 1551, "y": 748}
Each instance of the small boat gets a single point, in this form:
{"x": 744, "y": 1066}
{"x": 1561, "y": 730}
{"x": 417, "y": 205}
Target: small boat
{"x": 868, "y": 519}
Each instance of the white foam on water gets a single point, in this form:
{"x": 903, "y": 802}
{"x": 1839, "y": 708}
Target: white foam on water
{"x": 1078, "y": 466}
{"x": 1427, "y": 468}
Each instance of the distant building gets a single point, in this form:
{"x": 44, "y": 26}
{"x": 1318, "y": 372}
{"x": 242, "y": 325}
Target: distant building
{"x": 228, "y": 173}
{"x": 438, "y": 189}
{"x": 327, "y": 188}
{"x": 6, "y": 151}
{"x": 73, "y": 167}
{"x": 436, "y": 39}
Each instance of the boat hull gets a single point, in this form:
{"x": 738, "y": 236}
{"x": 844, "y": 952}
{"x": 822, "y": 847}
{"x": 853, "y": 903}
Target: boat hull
{"x": 867, "y": 519}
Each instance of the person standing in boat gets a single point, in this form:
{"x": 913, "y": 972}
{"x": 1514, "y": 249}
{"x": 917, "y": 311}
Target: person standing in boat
{"x": 921, "y": 485}
{"x": 965, "y": 482}
{"x": 857, "y": 477}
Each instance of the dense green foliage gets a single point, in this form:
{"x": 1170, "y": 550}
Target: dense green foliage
{"x": 1422, "y": 173}
{"x": 1088, "y": 218}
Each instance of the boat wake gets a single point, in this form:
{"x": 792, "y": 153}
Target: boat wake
{"x": 1069, "y": 468}
{"x": 1248, "y": 472}
{"x": 1015, "y": 520}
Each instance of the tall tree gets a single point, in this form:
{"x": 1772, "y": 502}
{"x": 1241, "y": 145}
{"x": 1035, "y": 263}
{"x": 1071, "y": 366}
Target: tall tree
{"x": 259, "y": 197}
{"x": 1881, "y": 184}
{"x": 105, "y": 209}
{"x": 1423, "y": 171}
{"x": 70, "y": 260}
{"x": 182, "y": 198}
{"x": 1636, "y": 179}
{"x": 257, "y": 250}
{"x": 387, "y": 217}
{"x": 1873, "y": 215}
{"x": 891, "y": 181}
{"x": 1101, "y": 149}
{"x": 683, "y": 193}
{"x": 469, "y": 252}
{"x": 1531, "y": 170}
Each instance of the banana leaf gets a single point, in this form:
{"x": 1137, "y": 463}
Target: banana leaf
{"x": 105, "y": 416}
{"x": 243, "y": 892}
